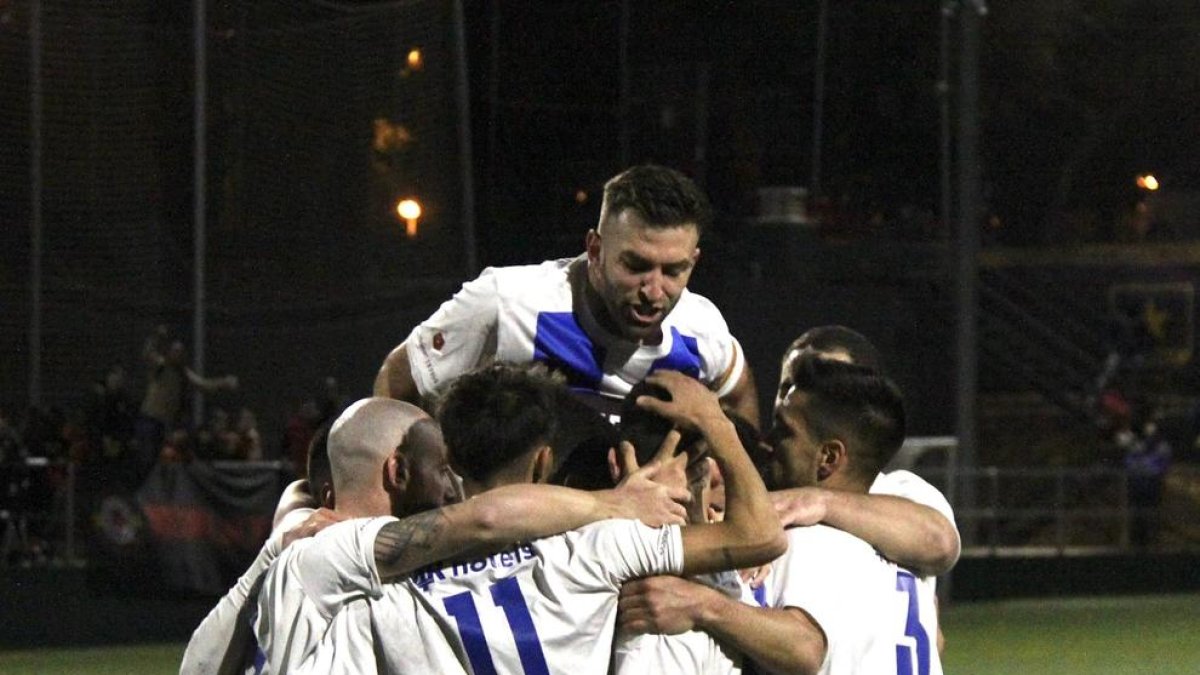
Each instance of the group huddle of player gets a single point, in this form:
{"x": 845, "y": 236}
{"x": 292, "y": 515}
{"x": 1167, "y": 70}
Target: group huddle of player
{"x": 560, "y": 471}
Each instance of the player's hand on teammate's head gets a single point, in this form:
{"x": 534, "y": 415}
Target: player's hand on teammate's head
{"x": 644, "y": 494}
{"x": 316, "y": 521}
{"x": 691, "y": 404}
{"x": 668, "y": 467}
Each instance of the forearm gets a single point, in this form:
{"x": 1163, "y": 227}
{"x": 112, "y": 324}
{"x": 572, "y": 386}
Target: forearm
{"x": 394, "y": 379}
{"x": 777, "y": 640}
{"x": 910, "y": 534}
{"x": 750, "y": 534}
{"x": 205, "y": 384}
{"x": 490, "y": 521}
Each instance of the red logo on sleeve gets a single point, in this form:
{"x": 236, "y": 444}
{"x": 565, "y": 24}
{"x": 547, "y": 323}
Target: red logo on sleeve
{"x": 438, "y": 341}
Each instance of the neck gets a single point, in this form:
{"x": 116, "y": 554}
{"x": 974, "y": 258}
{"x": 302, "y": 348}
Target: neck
{"x": 359, "y": 505}
{"x": 518, "y": 473}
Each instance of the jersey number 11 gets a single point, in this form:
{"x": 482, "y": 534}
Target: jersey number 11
{"x": 506, "y": 594}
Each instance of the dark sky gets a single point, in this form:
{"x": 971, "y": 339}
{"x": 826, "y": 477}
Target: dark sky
{"x": 1077, "y": 97}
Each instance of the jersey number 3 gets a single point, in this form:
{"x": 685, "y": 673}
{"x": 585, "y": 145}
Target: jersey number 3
{"x": 507, "y": 596}
{"x": 907, "y": 583}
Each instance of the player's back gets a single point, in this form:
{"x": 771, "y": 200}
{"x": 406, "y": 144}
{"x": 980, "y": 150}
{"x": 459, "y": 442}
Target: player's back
{"x": 877, "y": 617}
{"x": 548, "y": 606}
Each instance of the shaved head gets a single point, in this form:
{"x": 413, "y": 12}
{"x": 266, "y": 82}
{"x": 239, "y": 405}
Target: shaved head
{"x": 362, "y": 439}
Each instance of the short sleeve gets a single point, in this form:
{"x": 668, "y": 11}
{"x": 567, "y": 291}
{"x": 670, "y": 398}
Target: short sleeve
{"x": 912, "y": 487}
{"x": 339, "y": 563}
{"x": 460, "y": 335}
{"x": 612, "y": 552}
{"x": 732, "y": 363}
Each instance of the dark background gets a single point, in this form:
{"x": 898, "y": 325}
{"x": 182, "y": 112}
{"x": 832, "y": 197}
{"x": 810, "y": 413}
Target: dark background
{"x": 309, "y": 274}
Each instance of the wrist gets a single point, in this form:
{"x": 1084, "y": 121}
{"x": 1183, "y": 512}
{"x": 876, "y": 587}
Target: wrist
{"x": 710, "y": 607}
{"x": 719, "y": 431}
{"x": 610, "y": 504}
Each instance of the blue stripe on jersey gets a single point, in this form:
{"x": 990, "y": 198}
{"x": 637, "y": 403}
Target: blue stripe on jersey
{"x": 760, "y": 595}
{"x": 684, "y": 355}
{"x": 561, "y": 343}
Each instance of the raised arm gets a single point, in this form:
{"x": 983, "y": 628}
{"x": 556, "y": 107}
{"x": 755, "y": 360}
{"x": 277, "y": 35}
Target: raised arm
{"x": 750, "y": 534}
{"x": 395, "y": 379}
{"x": 517, "y": 513}
{"x": 210, "y": 384}
{"x": 906, "y": 532}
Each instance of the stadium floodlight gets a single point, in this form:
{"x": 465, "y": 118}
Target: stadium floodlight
{"x": 409, "y": 210}
{"x": 1147, "y": 182}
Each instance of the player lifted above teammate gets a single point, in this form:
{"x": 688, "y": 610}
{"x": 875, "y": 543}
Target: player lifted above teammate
{"x": 605, "y": 319}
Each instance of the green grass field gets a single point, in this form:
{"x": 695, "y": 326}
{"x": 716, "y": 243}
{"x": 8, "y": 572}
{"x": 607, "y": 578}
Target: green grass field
{"x": 1157, "y": 635}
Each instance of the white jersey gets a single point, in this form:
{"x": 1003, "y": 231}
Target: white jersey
{"x": 403, "y": 636}
{"x": 694, "y": 652}
{"x": 548, "y": 606}
{"x": 308, "y": 583}
{"x": 912, "y": 487}
{"x": 877, "y": 617}
{"x": 538, "y": 313}
{"x": 224, "y": 640}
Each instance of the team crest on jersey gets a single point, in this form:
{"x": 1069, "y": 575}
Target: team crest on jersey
{"x": 439, "y": 341}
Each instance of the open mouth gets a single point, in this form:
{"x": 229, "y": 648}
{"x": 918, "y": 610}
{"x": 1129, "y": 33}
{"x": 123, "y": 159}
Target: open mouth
{"x": 644, "y": 314}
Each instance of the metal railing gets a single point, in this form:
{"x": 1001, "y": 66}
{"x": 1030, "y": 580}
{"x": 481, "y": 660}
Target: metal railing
{"x": 1032, "y": 511}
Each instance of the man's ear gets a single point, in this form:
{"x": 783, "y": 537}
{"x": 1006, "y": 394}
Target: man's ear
{"x": 834, "y": 458}
{"x": 614, "y": 468}
{"x": 592, "y": 244}
{"x": 325, "y": 496}
{"x": 395, "y": 473}
{"x": 543, "y": 464}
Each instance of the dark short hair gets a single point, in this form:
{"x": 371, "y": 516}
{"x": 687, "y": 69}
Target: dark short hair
{"x": 495, "y": 414}
{"x": 644, "y": 429}
{"x": 581, "y": 445}
{"x": 853, "y": 403}
{"x": 663, "y": 197}
{"x": 319, "y": 471}
{"x": 834, "y": 338}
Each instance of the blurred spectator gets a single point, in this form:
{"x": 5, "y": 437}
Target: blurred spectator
{"x": 110, "y": 413}
{"x": 298, "y": 432}
{"x": 1147, "y": 458}
{"x": 216, "y": 439}
{"x": 167, "y": 379}
{"x": 249, "y": 441}
{"x": 177, "y": 446}
{"x": 332, "y": 402}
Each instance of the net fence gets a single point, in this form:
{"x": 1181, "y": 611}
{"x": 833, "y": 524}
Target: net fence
{"x": 320, "y": 117}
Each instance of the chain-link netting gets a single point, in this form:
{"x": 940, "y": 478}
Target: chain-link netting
{"x": 320, "y": 117}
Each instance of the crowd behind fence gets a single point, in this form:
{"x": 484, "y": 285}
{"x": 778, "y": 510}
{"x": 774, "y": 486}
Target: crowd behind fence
{"x": 48, "y": 511}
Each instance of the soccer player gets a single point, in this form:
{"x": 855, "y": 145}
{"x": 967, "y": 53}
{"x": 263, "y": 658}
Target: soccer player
{"x": 224, "y": 643}
{"x": 550, "y": 605}
{"x": 388, "y": 459}
{"x": 903, "y": 516}
{"x": 693, "y": 651}
{"x": 605, "y": 319}
{"x": 835, "y": 605}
